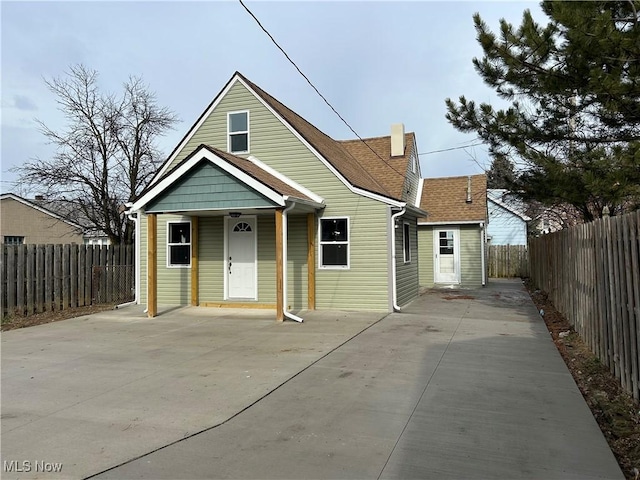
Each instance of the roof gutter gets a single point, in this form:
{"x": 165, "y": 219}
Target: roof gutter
{"x": 394, "y": 279}
{"x": 285, "y": 222}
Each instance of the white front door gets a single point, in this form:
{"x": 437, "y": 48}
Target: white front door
{"x": 446, "y": 248}
{"x": 242, "y": 269}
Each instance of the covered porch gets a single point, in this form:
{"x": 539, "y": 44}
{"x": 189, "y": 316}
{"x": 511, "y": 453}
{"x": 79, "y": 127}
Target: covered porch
{"x": 224, "y": 231}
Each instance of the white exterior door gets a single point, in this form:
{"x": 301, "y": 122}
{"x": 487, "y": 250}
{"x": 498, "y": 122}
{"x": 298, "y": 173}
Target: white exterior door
{"x": 446, "y": 262}
{"x": 242, "y": 268}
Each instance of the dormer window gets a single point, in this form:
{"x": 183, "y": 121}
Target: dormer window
{"x": 238, "y": 132}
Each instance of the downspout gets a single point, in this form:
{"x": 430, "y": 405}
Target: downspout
{"x": 483, "y": 238}
{"x": 394, "y": 280}
{"x": 285, "y": 226}
{"x": 133, "y": 216}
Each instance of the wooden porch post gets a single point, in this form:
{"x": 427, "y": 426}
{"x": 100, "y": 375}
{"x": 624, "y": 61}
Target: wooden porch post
{"x": 311, "y": 261}
{"x": 152, "y": 265}
{"x": 279, "y": 270}
{"x": 195, "y": 275}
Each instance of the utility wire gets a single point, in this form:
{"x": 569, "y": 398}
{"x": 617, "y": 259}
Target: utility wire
{"x": 314, "y": 87}
{"x": 452, "y": 148}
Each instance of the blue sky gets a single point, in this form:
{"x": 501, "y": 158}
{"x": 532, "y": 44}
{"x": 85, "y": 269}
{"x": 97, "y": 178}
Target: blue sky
{"x": 378, "y": 63}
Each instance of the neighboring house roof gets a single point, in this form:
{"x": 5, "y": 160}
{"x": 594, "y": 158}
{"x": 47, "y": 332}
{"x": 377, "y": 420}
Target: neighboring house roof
{"x": 502, "y": 198}
{"x": 367, "y": 172}
{"x": 40, "y": 206}
{"x": 389, "y": 172}
{"x": 446, "y": 199}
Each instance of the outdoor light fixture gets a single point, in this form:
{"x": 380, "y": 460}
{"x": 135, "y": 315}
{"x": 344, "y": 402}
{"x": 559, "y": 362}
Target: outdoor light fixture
{"x": 234, "y": 214}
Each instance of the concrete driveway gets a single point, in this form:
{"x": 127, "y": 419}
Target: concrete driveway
{"x": 461, "y": 384}
{"x": 93, "y": 392}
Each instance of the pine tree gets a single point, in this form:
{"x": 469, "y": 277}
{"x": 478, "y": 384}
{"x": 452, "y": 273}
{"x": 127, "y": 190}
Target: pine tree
{"x": 574, "y": 88}
{"x": 501, "y": 173}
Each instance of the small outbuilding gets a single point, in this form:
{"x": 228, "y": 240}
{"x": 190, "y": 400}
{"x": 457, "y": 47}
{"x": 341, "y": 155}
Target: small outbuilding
{"x": 452, "y": 239}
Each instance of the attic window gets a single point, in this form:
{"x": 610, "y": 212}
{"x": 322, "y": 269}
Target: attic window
{"x": 238, "y": 132}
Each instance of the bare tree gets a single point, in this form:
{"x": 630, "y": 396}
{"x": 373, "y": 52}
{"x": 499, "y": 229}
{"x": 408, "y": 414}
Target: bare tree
{"x": 105, "y": 155}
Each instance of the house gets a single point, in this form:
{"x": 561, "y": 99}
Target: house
{"x": 41, "y": 221}
{"x": 452, "y": 239}
{"x": 507, "y": 218}
{"x": 257, "y": 208}
{"x": 24, "y": 221}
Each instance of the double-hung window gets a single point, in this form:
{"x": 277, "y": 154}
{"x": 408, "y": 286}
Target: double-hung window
{"x": 334, "y": 242}
{"x": 406, "y": 242}
{"x": 238, "y": 132}
{"x": 179, "y": 244}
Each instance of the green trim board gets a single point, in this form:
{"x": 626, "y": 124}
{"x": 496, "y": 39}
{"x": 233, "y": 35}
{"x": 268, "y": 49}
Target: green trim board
{"x": 207, "y": 187}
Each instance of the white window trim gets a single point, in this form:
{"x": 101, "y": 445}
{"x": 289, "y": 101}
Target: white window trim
{"x": 169, "y": 245}
{"x": 405, "y": 239}
{"x": 321, "y": 243}
{"x": 229, "y": 133}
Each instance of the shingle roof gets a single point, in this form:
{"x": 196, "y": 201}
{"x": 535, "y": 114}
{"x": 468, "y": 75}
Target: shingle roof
{"x": 259, "y": 174}
{"x": 445, "y": 199}
{"x": 358, "y": 171}
{"x": 389, "y": 171}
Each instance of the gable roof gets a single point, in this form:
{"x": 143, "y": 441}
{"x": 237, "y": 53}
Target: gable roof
{"x": 242, "y": 168}
{"x": 41, "y": 206}
{"x": 374, "y": 156}
{"x": 446, "y": 199}
{"x": 503, "y": 199}
{"x": 359, "y": 173}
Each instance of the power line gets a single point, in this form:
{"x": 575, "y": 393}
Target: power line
{"x": 452, "y": 148}
{"x": 314, "y": 87}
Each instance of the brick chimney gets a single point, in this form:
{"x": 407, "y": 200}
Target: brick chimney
{"x": 397, "y": 140}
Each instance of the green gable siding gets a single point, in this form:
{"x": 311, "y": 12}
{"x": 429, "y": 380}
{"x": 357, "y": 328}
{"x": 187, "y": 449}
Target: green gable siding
{"x": 204, "y": 187}
{"x": 365, "y": 285}
{"x": 470, "y": 255}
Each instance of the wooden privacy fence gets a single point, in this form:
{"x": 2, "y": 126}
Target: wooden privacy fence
{"x": 508, "y": 261}
{"x": 40, "y": 278}
{"x": 592, "y": 275}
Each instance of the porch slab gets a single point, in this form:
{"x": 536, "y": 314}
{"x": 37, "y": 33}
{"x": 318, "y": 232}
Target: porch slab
{"x": 95, "y": 391}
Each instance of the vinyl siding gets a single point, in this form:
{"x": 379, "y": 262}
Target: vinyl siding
{"x": 425, "y": 251}
{"x": 267, "y": 259}
{"x": 470, "y": 255}
{"x": 407, "y": 273}
{"x": 412, "y": 180}
{"x": 297, "y": 276}
{"x": 505, "y": 228}
{"x": 174, "y": 284}
{"x": 211, "y": 264}
{"x": 205, "y": 187}
{"x": 365, "y": 285}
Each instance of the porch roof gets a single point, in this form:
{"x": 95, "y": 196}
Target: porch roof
{"x": 210, "y": 179}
